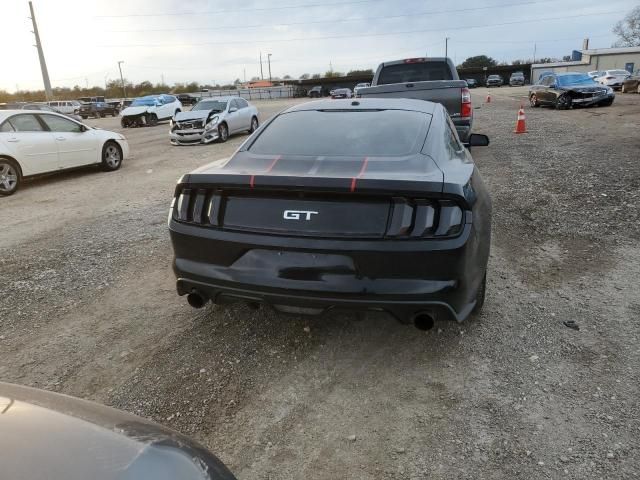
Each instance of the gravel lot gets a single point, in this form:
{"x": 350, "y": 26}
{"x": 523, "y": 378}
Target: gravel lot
{"x": 89, "y": 309}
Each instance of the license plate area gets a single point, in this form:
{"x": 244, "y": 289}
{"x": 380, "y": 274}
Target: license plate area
{"x": 323, "y": 217}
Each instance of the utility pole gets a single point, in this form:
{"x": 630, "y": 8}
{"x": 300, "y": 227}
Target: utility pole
{"x": 244, "y": 70}
{"x": 446, "y": 46}
{"x": 261, "y": 74}
{"x": 269, "y": 62}
{"x": 535, "y": 46}
{"x": 43, "y": 65}
{"x": 124, "y": 90}
{"x": 105, "y": 83}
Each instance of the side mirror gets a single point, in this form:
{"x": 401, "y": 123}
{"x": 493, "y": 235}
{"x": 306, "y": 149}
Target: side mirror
{"x": 477, "y": 140}
{"x": 83, "y": 129}
{"x": 233, "y": 109}
{"x": 553, "y": 85}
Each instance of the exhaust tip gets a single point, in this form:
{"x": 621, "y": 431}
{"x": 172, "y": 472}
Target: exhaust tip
{"x": 423, "y": 321}
{"x": 196, "y": 300}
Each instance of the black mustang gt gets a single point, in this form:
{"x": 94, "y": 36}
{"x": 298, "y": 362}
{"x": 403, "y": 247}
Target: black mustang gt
{"x": 564, "y": 90}
{"x": 368, "y": 204}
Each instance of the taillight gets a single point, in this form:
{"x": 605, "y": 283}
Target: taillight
{"x": 466, "y": 110}
{"x": 415, "y": 60}
{"x": 424, "y": 218}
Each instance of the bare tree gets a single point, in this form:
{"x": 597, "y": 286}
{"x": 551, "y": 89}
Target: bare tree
{"x": 628, "y": 30}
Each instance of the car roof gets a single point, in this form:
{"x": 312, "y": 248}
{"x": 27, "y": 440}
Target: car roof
{"x": 367, "y": 104}
{"x": 4, "y": 114}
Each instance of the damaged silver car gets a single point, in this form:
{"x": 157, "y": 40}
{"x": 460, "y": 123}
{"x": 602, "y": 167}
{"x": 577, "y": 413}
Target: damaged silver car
{"x": 213, "y": 120}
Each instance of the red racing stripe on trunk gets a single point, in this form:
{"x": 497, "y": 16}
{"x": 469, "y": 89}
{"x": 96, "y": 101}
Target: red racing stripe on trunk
{"x": 362, "y": 169}
{"x": 273, "y": 164}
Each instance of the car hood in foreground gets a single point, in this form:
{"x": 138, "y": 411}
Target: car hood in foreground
{"x": 47, "y": 435}
{"x": 193, "y": 115}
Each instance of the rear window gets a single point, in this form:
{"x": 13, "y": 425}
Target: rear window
{"x": 344, "y": 133}
{"x": 414, "y": 72}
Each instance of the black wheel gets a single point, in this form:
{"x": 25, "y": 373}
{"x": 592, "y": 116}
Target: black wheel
{"x": 124, "y": 122}
{"x": 223, "y": 133}
{"x": 480, "y": 296}
{"x": 111, "y": 156}
{"x": 563, "y": 102}
{"x": 10, "y": 176}
{"x": 254, "y": 125}
{"x": 151, "y": 120}
{"x": 533, "y": 100}
{"x": 606, "y": 103}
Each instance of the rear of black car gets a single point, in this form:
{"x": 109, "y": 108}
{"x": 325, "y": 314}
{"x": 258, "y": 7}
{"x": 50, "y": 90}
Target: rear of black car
{"x": 337, "y": 207}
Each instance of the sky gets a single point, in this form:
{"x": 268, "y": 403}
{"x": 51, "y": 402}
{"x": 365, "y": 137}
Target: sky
{"x": 214, "y": 41}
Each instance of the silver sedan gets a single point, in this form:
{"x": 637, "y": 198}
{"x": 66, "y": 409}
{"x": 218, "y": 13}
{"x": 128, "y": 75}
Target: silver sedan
{"x": 213, "y": 119}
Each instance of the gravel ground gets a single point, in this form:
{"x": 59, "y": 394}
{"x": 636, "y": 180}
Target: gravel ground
{"x": 89, "y": 308}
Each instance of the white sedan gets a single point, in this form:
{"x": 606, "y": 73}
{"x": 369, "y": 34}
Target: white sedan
{"x": 33, "y": 142}
{"x": 613, "y": 78}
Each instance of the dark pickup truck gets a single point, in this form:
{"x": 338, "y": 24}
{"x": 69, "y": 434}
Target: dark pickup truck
{"x": 433, "y": 79}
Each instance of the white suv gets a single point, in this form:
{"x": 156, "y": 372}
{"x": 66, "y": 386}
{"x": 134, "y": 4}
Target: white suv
{"x": 150, "y": 110}
{"x": 66, "y": 106}
{"x": 613, "y": 78}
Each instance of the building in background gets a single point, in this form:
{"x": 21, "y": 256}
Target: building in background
{"x": 595, "y": 59}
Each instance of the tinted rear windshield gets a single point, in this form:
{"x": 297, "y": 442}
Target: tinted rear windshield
{"x": 414, "y": 72}
{"x": 344, "y": 133}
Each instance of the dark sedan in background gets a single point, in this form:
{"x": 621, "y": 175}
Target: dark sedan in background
{"x": 370, "y": 204}
{"x": 566, "y": 90}
{"x": 494, "y": 81}
{"x": 471, "y": 82}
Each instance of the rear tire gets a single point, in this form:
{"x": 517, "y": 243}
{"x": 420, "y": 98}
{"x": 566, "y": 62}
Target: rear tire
{"x": 111, "y": 156}
{"x": 10, "y": 176}
{"x": 480, "y": 296}
{"x": 254, "y": 125}
{"x": 124, "y": 123}
{"x": 533, "y": 100}
{"x": 151, "y": 120}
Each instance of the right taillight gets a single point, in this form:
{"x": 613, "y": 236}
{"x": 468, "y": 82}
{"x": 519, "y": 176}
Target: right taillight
{"x": 466, "y": 109}
{"x": 425, "y": 218}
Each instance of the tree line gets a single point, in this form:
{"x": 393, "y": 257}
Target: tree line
{"x": 113, "y": 88}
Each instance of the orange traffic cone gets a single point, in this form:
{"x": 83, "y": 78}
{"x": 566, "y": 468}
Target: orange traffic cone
{"x": 520, "y": 123}
{"x": 488, "y": 98}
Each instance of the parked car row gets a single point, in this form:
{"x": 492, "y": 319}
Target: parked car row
{"x": 610, "y": 78}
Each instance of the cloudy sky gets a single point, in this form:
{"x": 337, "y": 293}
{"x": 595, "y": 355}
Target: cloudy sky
{"x": 214, "y": 40}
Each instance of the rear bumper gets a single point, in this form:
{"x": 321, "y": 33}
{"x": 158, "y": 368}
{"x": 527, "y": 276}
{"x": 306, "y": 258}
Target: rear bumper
{"x": 463, "y": 127}
{"x": 396, "y": 276}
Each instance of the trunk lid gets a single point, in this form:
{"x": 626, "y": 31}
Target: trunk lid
{"x": 310, "y": 196}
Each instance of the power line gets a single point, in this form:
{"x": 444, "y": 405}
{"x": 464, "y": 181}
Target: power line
{"x": 261, "y": 9}
{"x": 406, "y": 32}
{"x": 340, "y": 20}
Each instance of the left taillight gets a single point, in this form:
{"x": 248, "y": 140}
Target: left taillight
{"x": 466, "y": 109}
